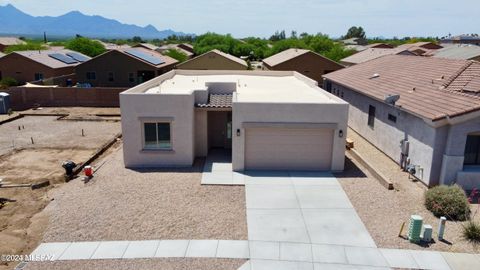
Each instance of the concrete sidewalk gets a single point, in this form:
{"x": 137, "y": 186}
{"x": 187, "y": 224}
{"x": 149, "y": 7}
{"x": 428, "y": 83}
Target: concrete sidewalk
{"x": 263, "y": 255}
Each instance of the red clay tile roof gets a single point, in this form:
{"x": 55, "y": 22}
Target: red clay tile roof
{"x": 218, "y": 101}
{"x": 433, "y": 88}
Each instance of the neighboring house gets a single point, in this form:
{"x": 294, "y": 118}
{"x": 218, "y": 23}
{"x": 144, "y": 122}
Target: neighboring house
{"x": 187, "y": 47}
{"x": 459, "y": 51}
{"x": 5, "y": 42}
{"x": 434, "y": 125}
{"x": 147, "y": 46}
{"x": 214, "y": 60}
{"x": 360, "y": 48}
{"x": 306, "y": 62}
{"x": 268, "y": 120}
{"x": 370, "y": 54}
{"x": 27, "y": 66}
{"x": 462, "y": 39}
{"x": 355, "y": 41}
{"x": 357, "y": 48}
{"x": 124, "y": 68}
{"x": 113, "y": 46}
{"x": 380, "y": 46}
{"x": 177, "y": 47}
{"x": 420, "y": 48}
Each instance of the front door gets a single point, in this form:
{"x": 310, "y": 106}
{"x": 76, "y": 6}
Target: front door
{"x": 220, "y": 129}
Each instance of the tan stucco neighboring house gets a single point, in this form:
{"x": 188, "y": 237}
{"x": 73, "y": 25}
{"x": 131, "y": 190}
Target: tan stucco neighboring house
{"x": 124, "y": 68}
{"x": 5, "y": 42}
{"x": 423, "y": 112}
{"x": 458, "y": 51}
{"x": 177, "y": 47}
{"x": 269, "y": 120}
{"x": 306, "y": 62}
{"x": 214, "y": 60}
{"x": 27, "y": 66}
{"x": 372, "y": 53}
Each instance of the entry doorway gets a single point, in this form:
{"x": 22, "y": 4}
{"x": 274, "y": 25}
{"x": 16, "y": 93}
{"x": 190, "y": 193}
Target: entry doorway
{"x": 220, "y": 130}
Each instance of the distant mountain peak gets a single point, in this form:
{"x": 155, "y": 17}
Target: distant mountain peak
{"x": 15, "y": 22}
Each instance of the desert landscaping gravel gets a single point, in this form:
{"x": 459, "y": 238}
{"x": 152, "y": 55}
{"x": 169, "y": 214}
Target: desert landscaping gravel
{"x": 383, "y": 211}
{"x": 150, "y": 264}
{"x": 125, "y": 204}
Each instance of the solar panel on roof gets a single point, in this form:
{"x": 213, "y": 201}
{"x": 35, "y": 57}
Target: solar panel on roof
{"x": 78, "y": 57}
{"x": 145, "y": 57}
{"x": 63, "y": 58}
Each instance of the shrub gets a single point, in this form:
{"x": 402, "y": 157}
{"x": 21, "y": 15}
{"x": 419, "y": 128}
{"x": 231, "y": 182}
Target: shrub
{"x": 7, "y": 82}
{"x": 448, "y": 201}
{"x": 178, "y": 55}
{"x": 471, "y": 231}
{"x": 86, "y": 46}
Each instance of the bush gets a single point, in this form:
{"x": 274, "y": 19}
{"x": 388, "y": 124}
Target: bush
{"x": 7, "y": 82}
{"x": 86, "y": 46}
{"x": 471, "y": 231}
{"x": 176, "y": 54}
{"x": 448, "y": 201}
{"x": 30, "y": 46}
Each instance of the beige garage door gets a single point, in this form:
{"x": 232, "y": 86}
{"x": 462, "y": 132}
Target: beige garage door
{"x": 288, "y": 149}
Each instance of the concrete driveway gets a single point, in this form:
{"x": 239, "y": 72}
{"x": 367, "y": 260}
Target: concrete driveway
{"x": 298, "y": 207}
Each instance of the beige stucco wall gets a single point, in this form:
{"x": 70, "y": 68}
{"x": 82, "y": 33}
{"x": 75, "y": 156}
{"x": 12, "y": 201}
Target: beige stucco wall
{"x": 179, "y": 109}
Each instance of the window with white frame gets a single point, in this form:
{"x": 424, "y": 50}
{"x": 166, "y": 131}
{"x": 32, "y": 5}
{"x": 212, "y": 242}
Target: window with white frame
{"x": 157, "y": 136}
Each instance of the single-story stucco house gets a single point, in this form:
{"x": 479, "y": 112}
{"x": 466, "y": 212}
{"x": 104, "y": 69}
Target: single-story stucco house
{"x": 306, "y": 62}
{"x": 421, "y": 111}
{"x": 214, "y": 60}
{"x": 273, "y": 120}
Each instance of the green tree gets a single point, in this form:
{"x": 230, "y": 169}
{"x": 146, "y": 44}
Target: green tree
{"x": 86, "y": 46}
{"x": 137, "y": 39}
{"x": 176, "y": 54}
{"x": 355, "y": 32}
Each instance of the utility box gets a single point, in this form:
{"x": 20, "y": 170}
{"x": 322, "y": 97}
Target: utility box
{"x": 415, "y": 228}
{"x": 427, "y": 233}
{"x": 4, "y": 103}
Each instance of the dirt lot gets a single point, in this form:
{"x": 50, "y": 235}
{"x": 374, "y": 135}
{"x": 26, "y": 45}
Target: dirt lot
{"x": 48, "y": 132}
{"x": 383, "y": 211}
{"x": 151, "y": 264}
{"x": 124, "y": 204}
{"x": 21, "y": 228}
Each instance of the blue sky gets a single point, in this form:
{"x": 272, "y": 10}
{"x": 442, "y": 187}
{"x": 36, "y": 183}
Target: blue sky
{"x": 242, "y": 18}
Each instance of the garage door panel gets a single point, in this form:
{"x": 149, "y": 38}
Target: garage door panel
{"x": 288, "y": 149}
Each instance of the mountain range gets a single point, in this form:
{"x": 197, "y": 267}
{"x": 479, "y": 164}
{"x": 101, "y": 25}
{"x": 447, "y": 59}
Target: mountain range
{"x": 16, "y": 22}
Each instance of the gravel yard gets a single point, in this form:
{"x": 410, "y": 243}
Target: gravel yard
{"x": 383, "y": 211}
{"x": 151, "y": 264}
{"x": 124, "y": 204}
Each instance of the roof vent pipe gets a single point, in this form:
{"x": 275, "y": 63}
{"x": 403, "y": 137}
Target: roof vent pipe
{"x": 376, "y": 75}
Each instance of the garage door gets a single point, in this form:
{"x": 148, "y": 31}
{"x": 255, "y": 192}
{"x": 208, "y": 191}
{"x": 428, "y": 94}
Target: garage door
{"x": 288, "y": 149}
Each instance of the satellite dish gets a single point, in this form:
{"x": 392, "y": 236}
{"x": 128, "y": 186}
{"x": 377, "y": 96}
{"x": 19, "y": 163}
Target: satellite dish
{"x": 391, "y": 99}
